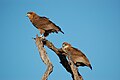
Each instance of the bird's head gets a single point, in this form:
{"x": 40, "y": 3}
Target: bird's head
{"x": 31, "y": 14}
{"x": 65, "y": 46}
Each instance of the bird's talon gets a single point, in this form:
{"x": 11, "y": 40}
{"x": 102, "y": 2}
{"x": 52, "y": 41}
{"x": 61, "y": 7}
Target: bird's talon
{"x": 41, "y": 36}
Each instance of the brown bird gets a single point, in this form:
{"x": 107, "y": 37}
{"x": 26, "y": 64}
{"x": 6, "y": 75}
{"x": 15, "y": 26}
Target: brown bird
{"x": 77, "y": 57}
{"x": 43, "y": 24}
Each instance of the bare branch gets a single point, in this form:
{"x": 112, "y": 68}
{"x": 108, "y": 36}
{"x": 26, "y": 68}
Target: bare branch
{"x": 70, "y": 68}
{"x": 68, "y": 65}
{"x": 44, "y": 57}
{"x": 74, "y": 69}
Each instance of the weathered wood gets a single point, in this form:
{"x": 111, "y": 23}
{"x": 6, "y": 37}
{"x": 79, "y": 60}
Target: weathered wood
{"x": 67, "y": 64}
{"x": 63, "y": 60}
{"x": 74, "y": 69}
{"x": 44, "y": 57}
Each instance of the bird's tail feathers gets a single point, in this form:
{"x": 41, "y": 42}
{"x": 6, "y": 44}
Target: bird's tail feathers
{"x": 61, "y": 31}
{"x": 90, "y": 66}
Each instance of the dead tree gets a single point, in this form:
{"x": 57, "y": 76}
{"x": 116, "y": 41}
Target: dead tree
{"x": 44, "y": 57}
{"x": 67, "y": 64}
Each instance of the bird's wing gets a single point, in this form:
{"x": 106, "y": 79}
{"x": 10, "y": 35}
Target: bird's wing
{"x": 77, "y": 52}
{"x": 79, "y": 57}
{"x": 40, "y": 22}
{"x": 82, "y": 56}
{"x": 47, "y": 24}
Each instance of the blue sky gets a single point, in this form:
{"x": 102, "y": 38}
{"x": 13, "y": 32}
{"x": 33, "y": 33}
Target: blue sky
{"x": 93, "y": 26}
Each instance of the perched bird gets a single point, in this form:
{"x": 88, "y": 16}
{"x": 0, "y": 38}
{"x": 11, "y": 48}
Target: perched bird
{"x": 43, "y": 24}
{"x": 77, "y": 57}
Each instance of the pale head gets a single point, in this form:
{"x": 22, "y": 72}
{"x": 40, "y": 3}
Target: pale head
{"x": 30, "y": 14}
{"x": 65, "y": 45}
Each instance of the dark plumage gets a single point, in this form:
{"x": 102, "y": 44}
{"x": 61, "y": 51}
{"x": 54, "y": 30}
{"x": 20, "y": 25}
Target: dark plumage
{"x": 43, "y": 24}
{"x": 78, "y": 58}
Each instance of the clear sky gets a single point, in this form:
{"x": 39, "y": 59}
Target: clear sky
{"x": 93, "y": 26}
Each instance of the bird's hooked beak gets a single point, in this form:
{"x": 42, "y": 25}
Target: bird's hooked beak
{"x": 27, "y": 15}
{"x": 65, "y": 45}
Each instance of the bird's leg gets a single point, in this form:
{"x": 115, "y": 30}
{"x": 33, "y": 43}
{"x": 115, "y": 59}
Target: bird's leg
{"x": 42, "y": 32}
{"x": 41, "y": 36}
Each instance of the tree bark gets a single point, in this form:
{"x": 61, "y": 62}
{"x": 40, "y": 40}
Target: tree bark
{"x": 44, "y": 57}
{"x": 68, "y": 65}
{"x": 74, "y": 69}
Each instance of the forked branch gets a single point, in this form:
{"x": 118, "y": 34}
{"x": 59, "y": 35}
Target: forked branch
{"x": 44, "y": 57}
{"x": 68, "y": 65}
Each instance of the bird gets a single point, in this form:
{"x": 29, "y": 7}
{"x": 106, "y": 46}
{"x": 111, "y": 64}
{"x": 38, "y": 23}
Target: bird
{"x": 43, "y": 24}
{"x": 77, "y": 56}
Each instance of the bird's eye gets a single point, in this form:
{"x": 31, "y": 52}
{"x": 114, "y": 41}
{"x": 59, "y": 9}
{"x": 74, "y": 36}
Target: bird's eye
{"x": 29, "y": 13}
{"x": 63, "y": 45}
